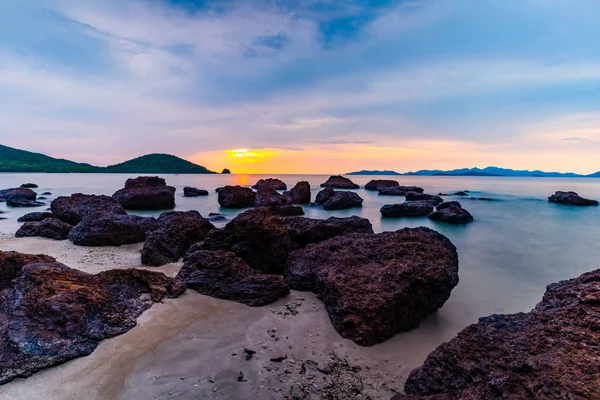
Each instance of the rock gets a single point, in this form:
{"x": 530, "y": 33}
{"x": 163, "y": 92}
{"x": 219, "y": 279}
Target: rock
{"x": 256, "y": 236}
{"x": 304, "y": 231}
{"x": 224, "y": 275}
{"x": 324, "y": 195}
{"x": 414, "y": 189}
{"x": 214, "y": 217}
{"x": 11, "y": 264}
{"x": 481, "y": 198}
{"x": 461, "y": 193}
{"x": 451, "y": 212}
{"x": 72, "y": 209}
{"x": 178, "y": 231}
{"x": 226, "y": 171}
{"x": 414, "y": 196}
{"x": 339, "y": 182}
{"x": 391, "y": 192}
{"x": 17, "y": 201}
{"x": 46, "y": 194}
{"x": 193, "y": 192}
{"x": 286, "y": 211}
{"x": 236, "y": 197}
{"x": 407, "y": 209}
{"x": 571, "y": 198}
{"x": 51, "y": 228}
{"x": 267, "y": 197}
{"x": 24, "y": 193}
{"x": 35, "y": 216}
{"x": 42, "y": 198}
{"x": 299, "y": 194}
{"x": 376, "y": 285}
{"x": 548, "y": 353}
{"x": 146, "y": 193}
{"x": 52, "y": 313}
{"x": 271, "y": 183}
{"x": 29, "y": 185}
{"x": 337, "y": 200}
{"x": 377, "y": 184}
{"x": 112, "y": 230}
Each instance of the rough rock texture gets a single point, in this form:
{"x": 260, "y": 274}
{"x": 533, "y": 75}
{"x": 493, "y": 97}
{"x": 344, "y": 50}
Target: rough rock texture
{"x": 29, "y": 185}
{"x": 11, "y": 264}
{"x": 112, "y": 230}
{"x": 286, "y": 211}
{"x": 146, "y": 193}
{"x": 392, "y": 192}
{"x": 72, "y": 209}
{"x": 414, "y": 196}
{"x": 178, "y": 231}
{"x": 339, "y": 182}
{"x": 271, "y": 183}
{"x": 51, "y": 313}
{"x": 35, "y": 216}
{"x": 18, "y": 201}
{"x": 415, "y": 189}
{"x": 452, "y": 213}
{"x": 337, "y": 200}
{"x": 256, "y": 236}
{"x": 268, "y": 197}
{"x": 51, "y": 228}
{"x": 551, "y": 352}
{"x": 571, "y": 198}
{"x": 236, "y": 197}
{"x": 375, "y": 285}
{"x": 305, "y": 231}
{"x": 224, "y": 275}
{"x": 193, "y": 192}
{"x": 24, "y": 193}
{"x": 377, "y": 184}
{"x": 407, "y": 209}
{"x": 299, "y": 194}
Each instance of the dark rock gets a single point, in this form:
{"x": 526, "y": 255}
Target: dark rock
{"x": 447, "y": 204}
{"x": 286, "y": 211}
{"x": 23, "y": 193}
{"x": 236, "y": 197}
{"x": 29, "y": 185}
{"x": 414, "y": 196}
{"x": 339, "y": 182}
{"x": 299, "y": 194}
{"x": 414, "y": 189}
{"x": 267, "y": 197}
{"x": 375, "y": 285}
{"x": 271, "y": 183}
{"x": 224, "y": 275}
{"x": 51, "y": 313}
{"x": 226, "y": 171}
{"x": 324, "y": 195}
{"x": 178, "y": 231}
{"x": 11, "y": 264}
{"x": 461, "y": 193}
{"x": 18, "y": 201}
{"x": 193, "y": 192}
{"x": 548, "y": 353}
{"x": 72, "y": 209}
{"x": 146, "y": 193}
{"x": 216, "y": 217}
{"x": 571, "y": 198}
{"x": 256, "y": 236}
{"x": 46, "y": 194}
{"x": 377, "y": 184}
{"x": 481, "y": 198}
{"x": 51, "y": 228}
{"x": 112, "y": 230}
{"x": 337, "y": 200}
{"x": 451, "y": 213}
{"x": 305, "y": 231}
{"x": 42, "y": 198}
{"x": 35, "y": 216}
{"x": 391, "y": 192}
{"x": 407, "y": 209}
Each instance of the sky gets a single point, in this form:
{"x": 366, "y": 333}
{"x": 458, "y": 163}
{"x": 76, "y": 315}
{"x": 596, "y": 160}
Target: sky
{"x": 303, "y": 86}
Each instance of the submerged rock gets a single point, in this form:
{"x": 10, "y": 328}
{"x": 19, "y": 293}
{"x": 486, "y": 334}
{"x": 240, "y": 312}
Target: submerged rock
{"x": 571, "y": 198}
{"x": 189, "y": 191}
{"x": 452, "y": 213}
{"x": 268, "y": 197}
{"x": 214, "y": 217}
{"x": 340, "y": 182}
{"x": 414, "y": 196}
{"x": 236, "y": 197}
{"x": 270, "y": 183}
{"x": 35, "y": 216}
{"x": 299, "y": 194}
{"x": 378, "y": 184}
{"x": 304, "y": 231}
{"x": 112, "y": 230}
{"x": 23, "y": 193}
{"x": 392, "y": 192}
{"x": 72, "y": 209}
{"x": 51, "y": 228}
{"x": 337, "y": 200}
{"x": 415, "y": 189}
{"x": 376, "y": 285}
{"x": 46, "y": 194}
{"x": 407, "y": 209}
{"x": 548, "y": 353}
{"x": 146, "y": 193}
{"x": 17, "y": 201}
{"x": 29, "y": 185}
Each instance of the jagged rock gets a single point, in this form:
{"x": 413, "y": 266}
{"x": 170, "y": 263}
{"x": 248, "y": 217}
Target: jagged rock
{"x": 339, "y": 182}
{"x": 112, "y": 230}
{"x": 35, "y": 216}
{"x": 51, "y": 313}
{"x": 548, "y": 353}
{"x": 51, "y": 228}
{"x": 337, "y": 200}
{"x": 571, "y": 198}
{"x": 375, "y": 285}
{"x": 271, "y": 183}
{"x": 451, "y": 212}
{"x": 193, "y": 192}
{"x": 378, "y": 184}
{"x": 11, "y": 264}
{"x": 29, "y": 185}
{"x": 299, "y": 194}
{"x": 414, "y": 196}
{"x": 72, "y": 209}
{"x": 407, "y": 209}
{"x": 23, "y": 193}
{"x": 236, "y": 197}
{"x": 305, "y": 231}
{"x": 391, "y": 192}
{"x": 224, "y": 275}
{"x": 286, "y": 211}
{"x": 146, "y": 193}
{"x": 177, "y": 232}
{"x": 268, "y": 197}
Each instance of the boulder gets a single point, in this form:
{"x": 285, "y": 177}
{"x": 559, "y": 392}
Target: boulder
{"x": 256, "y": 236}
{"x": 571, "y": 198}
{"x": 51, "y": 313}
{"x": 112, "y": 230}
{"x": 304, "y": 231}
{"x": 29, "y": 185}
{"x": 193, "y": 192}
{"x": 451, "y": 212}
{"x": 271, "y": 183}
{"x": 35, "y": 216}
{"x": 224, "y": 275}
{"x": 146, "y": 193}
{"x": 391, "y": 192}
{"x": 177, "y": 232}
{"x": 51, "y": 228}
{"x": 414, "y": 189}
{"x": 286, "y": 211}
{"x": 378, "y": 184}
{"x": 339, "y": 182}
{"x": 18, "y": 201}
{"x": 72, "y": 209}
{"x": 11, "y": 264}
{"x": 415, "y": 196}
{"x": 236, "y": 197}
{"x": 548, "y": 353}
{"x": 23, "y": 193}
{"x": 299, "y": 194}
{"x": 42, "y": 198}
{"x": 214, "y": 217}
{"x": 267, "y": 197}
{"x": 337, "y": 200}
{"x": 46, "y": 194}
{"x": 461, "y": 193}
{"x": 376, "y": 285}
{"x": 407, "y": 209}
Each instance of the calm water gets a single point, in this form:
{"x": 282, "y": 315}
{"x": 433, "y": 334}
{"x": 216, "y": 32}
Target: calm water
{"x": 515, "y": 247}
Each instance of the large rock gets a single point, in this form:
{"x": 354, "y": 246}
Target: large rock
{"x": 18, "y": 201}
{"x": 51, "y": 313}
{"x": 270, "y": 183}
{"x": 189, "y": 191}
{"x": 415, "y": 189}
{"x": 178, "y": 231}
{"x": 112, "y": 230}
{"x": 35, "y": 216}
{"x": 571, "y": 198}
{"x": 337, "y": 200}
{"x": 24, "y": 193}
{"x": 51, "y": 228}
{"x": 267, "y": 197}
{"x": 415, "y": 196}
{"x": 286, "y": 211}
{"x": 146, "y": 193}
{"x": 29, "y": 185}
{"x": 378, "y": 184}
{"x": 391, "y": 192}
{"x": 305, "y": 231}
{"x": 551, "y": 352}
{"x": 236, "y": 197}
{"x": 299, "y": 194}
{"x": 407, "y": 209}
{"x": 452, "y": 213}
{"x": 339, "y": 182}
{"x": 256, "y": 236}
{"x": 375, "y": 285}
{"x": 11, "y": 264}
{"x": 72, "y": 209}
{"x": 224, "y": 275}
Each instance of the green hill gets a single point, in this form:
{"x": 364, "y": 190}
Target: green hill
{"x": 158, "y": 163}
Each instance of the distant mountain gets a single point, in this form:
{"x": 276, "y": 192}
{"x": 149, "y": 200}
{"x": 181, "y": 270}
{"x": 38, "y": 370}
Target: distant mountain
{"x": 375, "y": 172}
{"x": 488, "y": 171}
{"x": 159, "y": 164}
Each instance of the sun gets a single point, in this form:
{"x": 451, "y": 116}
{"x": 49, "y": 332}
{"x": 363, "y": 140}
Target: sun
{"x": 243, "y": 153}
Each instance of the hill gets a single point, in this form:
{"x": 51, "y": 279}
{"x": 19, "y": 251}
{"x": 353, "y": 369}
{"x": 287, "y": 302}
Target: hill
{"x": 375, "y": 172}
{"x": 158, "y": 163}
{"x": 488, "y": 171}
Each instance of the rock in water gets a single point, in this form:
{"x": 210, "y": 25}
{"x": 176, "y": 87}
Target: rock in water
{"x": 378, "y": 184}
{"x": 299, "y": 194}
{"x": 415, "y": 189}
{"x": 17, "y": 201}
{"x": 270, "y": 183}
{"x": 224, "y": 275}
{"x": 51, "y": 313}
{"x": 29, "y": 185}
{"x": 236, "y": 197}
{"x": 193, "y": 192}
{"x": 72, "y": 209}
{"x": 339, "y": 182}
{"x": 267, "y": 197}
{"x": 571, "y": 198}
{"x": 452, "y": 213}
{"x": 35, "y": 216}
{"x": 407, "y": 209}
{"x": 11, "y": 264}
{"x": 305, "y": 231}
{"x": 178, "y": 231}
{"x": 414, "y": 196}
{"x": 146, "y": 193}
{"x": 51, "y": 228}
{"x": 376, "y": 285}
{"x": 548, "y": 353}
{"x": 392, "y": 192}
{"x": 337, "y": 200}
{"x": 286, "y": 211}
{"x": 112, "y": 230}
{"x": 23, "y": 193}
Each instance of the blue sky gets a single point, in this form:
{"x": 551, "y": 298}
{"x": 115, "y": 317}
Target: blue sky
{"x": 333, "y": 84}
